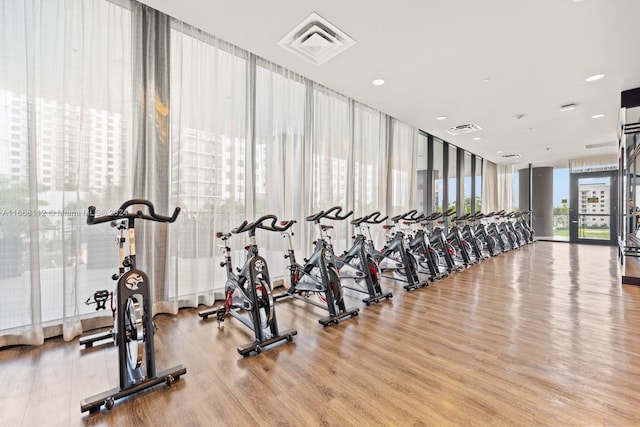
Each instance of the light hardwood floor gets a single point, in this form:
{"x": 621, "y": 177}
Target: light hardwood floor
{"x": 545, "y": 335}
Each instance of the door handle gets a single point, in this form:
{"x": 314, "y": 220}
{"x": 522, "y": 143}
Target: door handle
{"x": 574, "y": 222}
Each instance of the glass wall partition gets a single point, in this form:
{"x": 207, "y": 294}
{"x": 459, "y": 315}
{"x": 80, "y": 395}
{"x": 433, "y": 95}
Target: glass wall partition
{"x": 560, "y": 204}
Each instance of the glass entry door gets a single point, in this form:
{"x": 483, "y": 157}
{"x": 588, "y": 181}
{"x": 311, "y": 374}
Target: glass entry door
{"x": 593, "y": 208}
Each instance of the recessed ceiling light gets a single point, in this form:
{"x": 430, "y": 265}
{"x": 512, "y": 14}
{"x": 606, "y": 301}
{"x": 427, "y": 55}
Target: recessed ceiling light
{"x": 377, "y": 82}
{"x": 518, "y": 117}
{"x": 477, "y": 138}
{"x": 567, "y": 107}
{"x": 597, "y": 116}
{"x": 441, "y": 118}
{"x": 594, "y": 78}
{"x": 578, "y": 1}
{"x": 499, "y": 152}
{"x": 485, "y": 80}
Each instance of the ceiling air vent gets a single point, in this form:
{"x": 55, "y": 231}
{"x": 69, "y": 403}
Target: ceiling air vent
{"x": 316, "y": 40}
{"x": 511, "y": 156}
{"x": 466, "y": 128}
{"x": 600, "y": 145}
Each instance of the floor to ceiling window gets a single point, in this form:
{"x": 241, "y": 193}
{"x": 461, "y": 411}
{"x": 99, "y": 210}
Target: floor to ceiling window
{"x": 561, "y": 204}
{"x": 244, "y": 138}
{"x": 452, "y": 180}
{"x": 478, "y": 185}
{"x": 438, "y": 175}
{"x": 466, "y": 182}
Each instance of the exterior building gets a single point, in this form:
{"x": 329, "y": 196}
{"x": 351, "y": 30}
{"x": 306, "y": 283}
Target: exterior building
{"x": 594, "y": 205}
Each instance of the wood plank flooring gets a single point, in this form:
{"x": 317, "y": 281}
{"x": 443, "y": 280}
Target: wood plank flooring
{"x": 543, "y": 336}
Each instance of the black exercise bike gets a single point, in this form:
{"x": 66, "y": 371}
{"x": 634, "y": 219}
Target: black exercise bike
{"x": 133, "y": 322}
{"x": 249, "y": 290}
{"x": 366, "y": 268}
{"x": 397, "y": 248}
{"x": 319, "y": 274}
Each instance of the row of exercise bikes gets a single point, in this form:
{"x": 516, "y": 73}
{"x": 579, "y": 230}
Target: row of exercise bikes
{"x": 419, "y": 249}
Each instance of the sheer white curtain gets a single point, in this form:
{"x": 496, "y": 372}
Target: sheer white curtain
{"x": 330, "y": 147}
{"x": 65, "y": 107}
{"x": 210, "y": 156}
{"x": 601, "y": 162}
{"x": 506, "y": 190}
{"x": 368, "y": 178}
{"x": 489, "y": 187}
{"x": 280, "y": 178}
{"x": 102, "y": 101}
{"x": 402, "y": 173}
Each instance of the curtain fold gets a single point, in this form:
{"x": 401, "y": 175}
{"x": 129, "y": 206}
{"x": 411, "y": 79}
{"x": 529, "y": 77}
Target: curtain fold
{"x": 506, "y": 190}
{"x": 489, "y": 187}
{"x": 369, "y": 169}
{"x": 329, "y": 151}
{"x": 210, "y": 155}
{"x": 279, "y": 187}
{"x": 402, "y": 168}
{"x": 151, "y": 151}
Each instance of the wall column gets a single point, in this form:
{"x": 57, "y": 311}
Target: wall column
{"x": 542, "y": 200}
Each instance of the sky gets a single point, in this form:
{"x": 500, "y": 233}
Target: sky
{"x": 560, "y": 186}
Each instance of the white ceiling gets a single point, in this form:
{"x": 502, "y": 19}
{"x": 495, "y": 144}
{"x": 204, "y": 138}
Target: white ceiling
{"x": 482, "y": 61}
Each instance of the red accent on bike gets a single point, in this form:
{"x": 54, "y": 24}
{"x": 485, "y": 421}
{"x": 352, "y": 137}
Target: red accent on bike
{"x": 227, "y": 303}
{"x": 246, "y": 248}
{"x": 218, "y": 234}
{"x": 374, "y": 272}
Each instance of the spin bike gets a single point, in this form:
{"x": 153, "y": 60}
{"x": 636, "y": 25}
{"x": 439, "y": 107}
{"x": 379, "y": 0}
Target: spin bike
{"x": 133, "y": 323}
{"x": 397, "y": 248}
{"x": 250, "y": 289}
{"x": 365, "y": 267}
{"x": 319, "y": 275}
{"x": 420, "y": 245}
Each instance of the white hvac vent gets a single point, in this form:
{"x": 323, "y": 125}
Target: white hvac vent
{"x": 600, "y": 145}
{"x": 511, "y": 156}
{"x": 316, "y": 40}
{"x": 466, "y": 128}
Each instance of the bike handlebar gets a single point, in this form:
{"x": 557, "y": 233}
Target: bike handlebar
{"x": 449, "y": 212}
{"x": 359, "y": 221}
{"x": 246, "y": 226}
{"x": 433, "y": 216}
{"x": 336, "y": 210}
{"x": 374, "y": 218}
{"x": 122, "y": 213}
{"x": 406, "y": 215}
{"x": 416, "y": 217}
